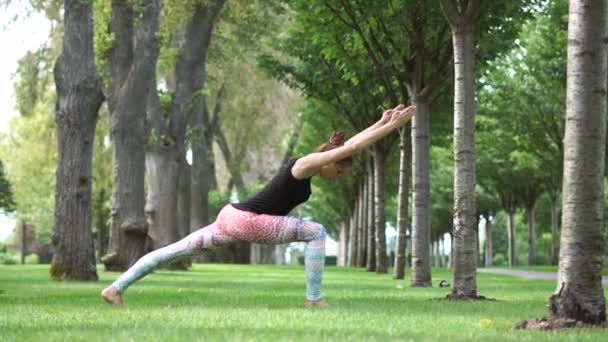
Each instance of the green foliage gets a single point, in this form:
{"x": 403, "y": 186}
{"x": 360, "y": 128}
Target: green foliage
{"x": 7, "y": 204}
{"x": 7, "y": 259}
{"x": 32, "y": 259}
{"x": 102, "y": 38}
{"x": 30, "y": 155}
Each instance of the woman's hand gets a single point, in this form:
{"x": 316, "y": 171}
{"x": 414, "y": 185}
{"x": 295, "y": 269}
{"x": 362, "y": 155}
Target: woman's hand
{"x": 386, "y": 116}
{"x": 401, "y": 116}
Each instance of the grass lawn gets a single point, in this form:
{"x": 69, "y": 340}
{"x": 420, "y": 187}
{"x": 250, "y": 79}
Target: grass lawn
{"x": 265, "y": 303}
{"x": 543, "y": 268}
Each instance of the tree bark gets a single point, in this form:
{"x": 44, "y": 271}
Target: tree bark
{"x": 421, "y": 224}
{"x": 380, "y": 211}
{"x": 79, "y": 96}
{"x": 511, "y": 238}
{"x": 362, "y": 243}
{"x": 352, "y": 241}
{"x": 343, "y": 245}
{"x": 554, "y": 232}
{"x": 405, "y": 164}
{"x": 463, "y": 22}
{"x": 531, "y": 215}
{"x": 371, "y": 217}
{"x": 202, "y": 23}
{"x": 579, "y": 294}
{"x": 133, "y": 61}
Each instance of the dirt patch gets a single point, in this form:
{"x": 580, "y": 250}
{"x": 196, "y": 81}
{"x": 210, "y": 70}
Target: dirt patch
{"x": 553, "y": 323}
{"x": 466, "y": 298}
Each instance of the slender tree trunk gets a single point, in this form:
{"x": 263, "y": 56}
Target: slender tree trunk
{"x": 421, "y": 224}
{"x": 79, "y": 96}
{"x": 371, "y": 217}
{"x": 554, "y": 232}
{"x": 531, "y": 213}
{"x": 579, "y": 294}
{"x": 362, "y": 243}
{"x": 352, "y": 241}
{"x": 511, "y": 238}
{"x": 489, "y": 251}
{"x": 23, "y": 242}
{"x": 380, "y": 211}
{"x": 405, "y": 164}
{"x": 343, "y": 243}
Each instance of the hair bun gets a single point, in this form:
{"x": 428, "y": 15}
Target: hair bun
{"x": 337, "y": 138}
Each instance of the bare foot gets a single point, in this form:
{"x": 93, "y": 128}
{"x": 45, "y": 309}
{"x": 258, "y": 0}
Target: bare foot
{"x": 319, "y": 303}
{"x": 111, "y": 295}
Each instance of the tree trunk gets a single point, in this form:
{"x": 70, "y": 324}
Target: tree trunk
{"x": 405, "y": 164}
{"x": 79, "y": 96}
{"x": 554, "y": 232}
{"x": 23, "y": 242}
{"x": 511, "y": 238}
{"x": 489, "y": 251}
{"x": 362, "y": 243}
{"x": 352, "y": 241}
{"x": 380, "y": 211}
{"x": 531, "y": 213}
{"x": 421, "y": 224}
{"x": 579, "y": 294}
{"x": 343, "y": 245}
{"x": 371, "y": 217}
{"x": 132, "y": 72}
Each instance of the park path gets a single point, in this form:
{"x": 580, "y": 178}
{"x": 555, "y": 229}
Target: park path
{"x": 528, "y": 274}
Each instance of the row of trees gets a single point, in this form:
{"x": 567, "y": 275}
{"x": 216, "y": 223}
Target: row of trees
{"x": 350, "y": 59}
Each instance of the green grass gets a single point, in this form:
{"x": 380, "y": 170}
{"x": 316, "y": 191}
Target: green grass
{"x": 543, "y": 268}
{"x": 265, "y": 303}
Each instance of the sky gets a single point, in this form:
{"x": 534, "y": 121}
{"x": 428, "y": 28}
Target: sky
{"x": 16, "y": 38}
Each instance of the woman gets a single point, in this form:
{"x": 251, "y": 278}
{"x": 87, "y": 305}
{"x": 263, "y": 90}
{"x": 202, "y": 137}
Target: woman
{"x": 262, "y": 218}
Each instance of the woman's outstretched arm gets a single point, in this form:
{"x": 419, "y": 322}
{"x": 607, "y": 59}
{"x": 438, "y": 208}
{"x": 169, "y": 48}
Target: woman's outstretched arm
{"x": 312, "y": 163}
{"x": 386, "y": 117}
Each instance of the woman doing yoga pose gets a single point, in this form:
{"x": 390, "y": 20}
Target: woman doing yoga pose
{"x": 262, "y": 218}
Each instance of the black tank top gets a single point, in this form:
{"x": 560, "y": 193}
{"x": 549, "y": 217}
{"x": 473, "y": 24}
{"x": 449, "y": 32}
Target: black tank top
{"x": 283, "y": 193}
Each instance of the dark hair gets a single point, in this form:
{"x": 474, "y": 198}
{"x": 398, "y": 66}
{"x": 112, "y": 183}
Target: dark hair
{"x": 337, "y": 139}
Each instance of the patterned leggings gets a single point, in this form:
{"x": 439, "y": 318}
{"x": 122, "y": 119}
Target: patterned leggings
{"x": 233, "y": 225}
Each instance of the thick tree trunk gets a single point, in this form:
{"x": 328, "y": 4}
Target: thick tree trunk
{"x": 465, "y": 221}
{"x": 421, "y": 224}
{"x": 511, "y": 238}
{"x": 371, "y": 217}
{"x": 79, "y": 96}
{"x": 531, "y": 213}
{"x": 380, "y": 211}
{"x": 132, "y": 73}
{"x": 405, "y": 164}
{"x": 579, "y": 294}
{"x": 489, "y": 250}
{"x": 554, "y": 232}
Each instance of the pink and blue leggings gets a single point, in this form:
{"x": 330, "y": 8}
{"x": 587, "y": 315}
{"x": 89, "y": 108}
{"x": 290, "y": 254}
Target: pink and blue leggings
{"x": 233, "y": 225}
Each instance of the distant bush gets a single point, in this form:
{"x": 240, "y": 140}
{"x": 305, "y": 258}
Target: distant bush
{"x": 499, "y": 260}
{"x": 32, "y": 259}
{"x": 7, "y": 259}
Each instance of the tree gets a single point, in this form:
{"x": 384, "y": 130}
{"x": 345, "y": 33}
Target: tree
{"x": 132, "y": 62}
{"x": 79, "y": 96}
{"x": 579, "y": 296}
{"x": 463, "y": 20}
